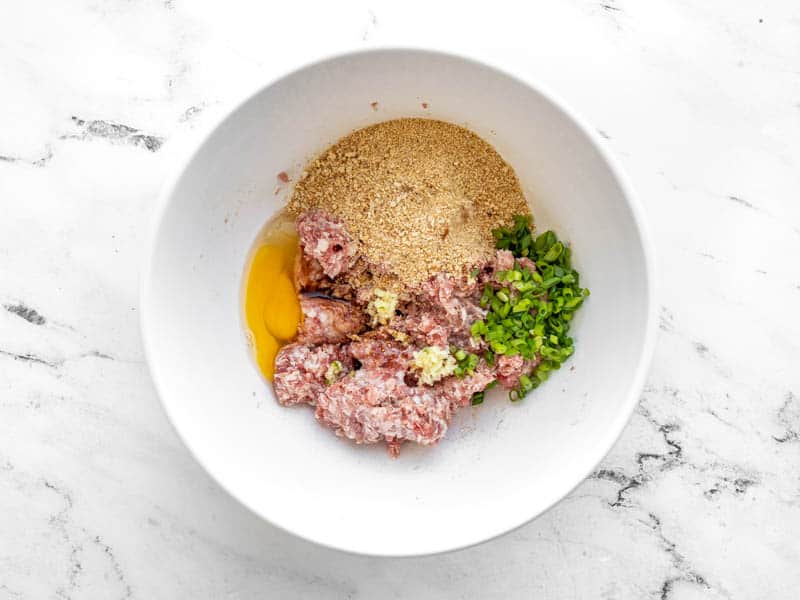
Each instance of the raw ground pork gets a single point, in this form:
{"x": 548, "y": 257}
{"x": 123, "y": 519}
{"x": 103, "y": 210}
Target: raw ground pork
{"x": 375, "y": 395}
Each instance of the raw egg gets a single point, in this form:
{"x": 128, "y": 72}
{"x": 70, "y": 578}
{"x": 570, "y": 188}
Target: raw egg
{"x": 271, "y": 306}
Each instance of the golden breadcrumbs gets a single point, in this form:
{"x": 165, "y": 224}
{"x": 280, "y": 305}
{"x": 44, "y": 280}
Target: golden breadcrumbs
{"x": 421, "y": 196}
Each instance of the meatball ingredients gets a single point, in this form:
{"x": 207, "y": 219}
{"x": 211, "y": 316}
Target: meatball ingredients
{"x": 403, "y": 281}
{"x": 395, "y": 367}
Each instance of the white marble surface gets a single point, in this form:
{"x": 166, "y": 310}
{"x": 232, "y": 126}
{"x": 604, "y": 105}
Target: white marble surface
{"x": 700, "y": 497}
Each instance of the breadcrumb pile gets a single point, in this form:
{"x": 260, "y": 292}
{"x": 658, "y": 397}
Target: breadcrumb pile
{"x": 421, "y": 196}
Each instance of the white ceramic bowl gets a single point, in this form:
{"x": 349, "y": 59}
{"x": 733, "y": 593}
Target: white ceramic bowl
{"x": 501, "y": 464}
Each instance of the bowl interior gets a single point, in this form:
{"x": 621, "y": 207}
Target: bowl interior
{"x": 501, "y": 464}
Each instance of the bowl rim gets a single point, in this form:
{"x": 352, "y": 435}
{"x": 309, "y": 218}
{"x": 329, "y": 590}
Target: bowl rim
{"x": 187, "y": 155}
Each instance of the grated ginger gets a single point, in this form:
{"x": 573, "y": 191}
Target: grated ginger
{"x": 382, "y": 306}
{"x": 433, "y": 363}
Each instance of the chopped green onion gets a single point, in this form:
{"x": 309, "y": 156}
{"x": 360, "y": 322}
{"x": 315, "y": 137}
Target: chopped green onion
{"x": 531, "y": 315}
{"x": 466, "y": 362}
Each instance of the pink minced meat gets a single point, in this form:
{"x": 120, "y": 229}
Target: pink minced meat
{"x": 308, "y": 274}
{"x": 503, "y": 260}
{"x": 426, "y": 327}
{"x": 526, "y": 263}
{"x": 300, "y": 371}
{"x": 459, "y": 391}
{"x": 378, "y": 352}
{"x": 510, "y": 368}
{"x": 328, "y": 321}
{"x": 375, "y": 404}
{"x": 442, "y": 314}
{"x": 455, "y": 298}
{"x": 325, "y": 239}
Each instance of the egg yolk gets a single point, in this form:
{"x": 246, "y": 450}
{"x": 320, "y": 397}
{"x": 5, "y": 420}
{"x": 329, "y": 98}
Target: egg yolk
{"x": 272, "y": 309}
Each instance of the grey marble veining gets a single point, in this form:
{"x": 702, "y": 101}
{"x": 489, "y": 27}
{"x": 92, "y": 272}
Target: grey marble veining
{"x": 700, "y": 497}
